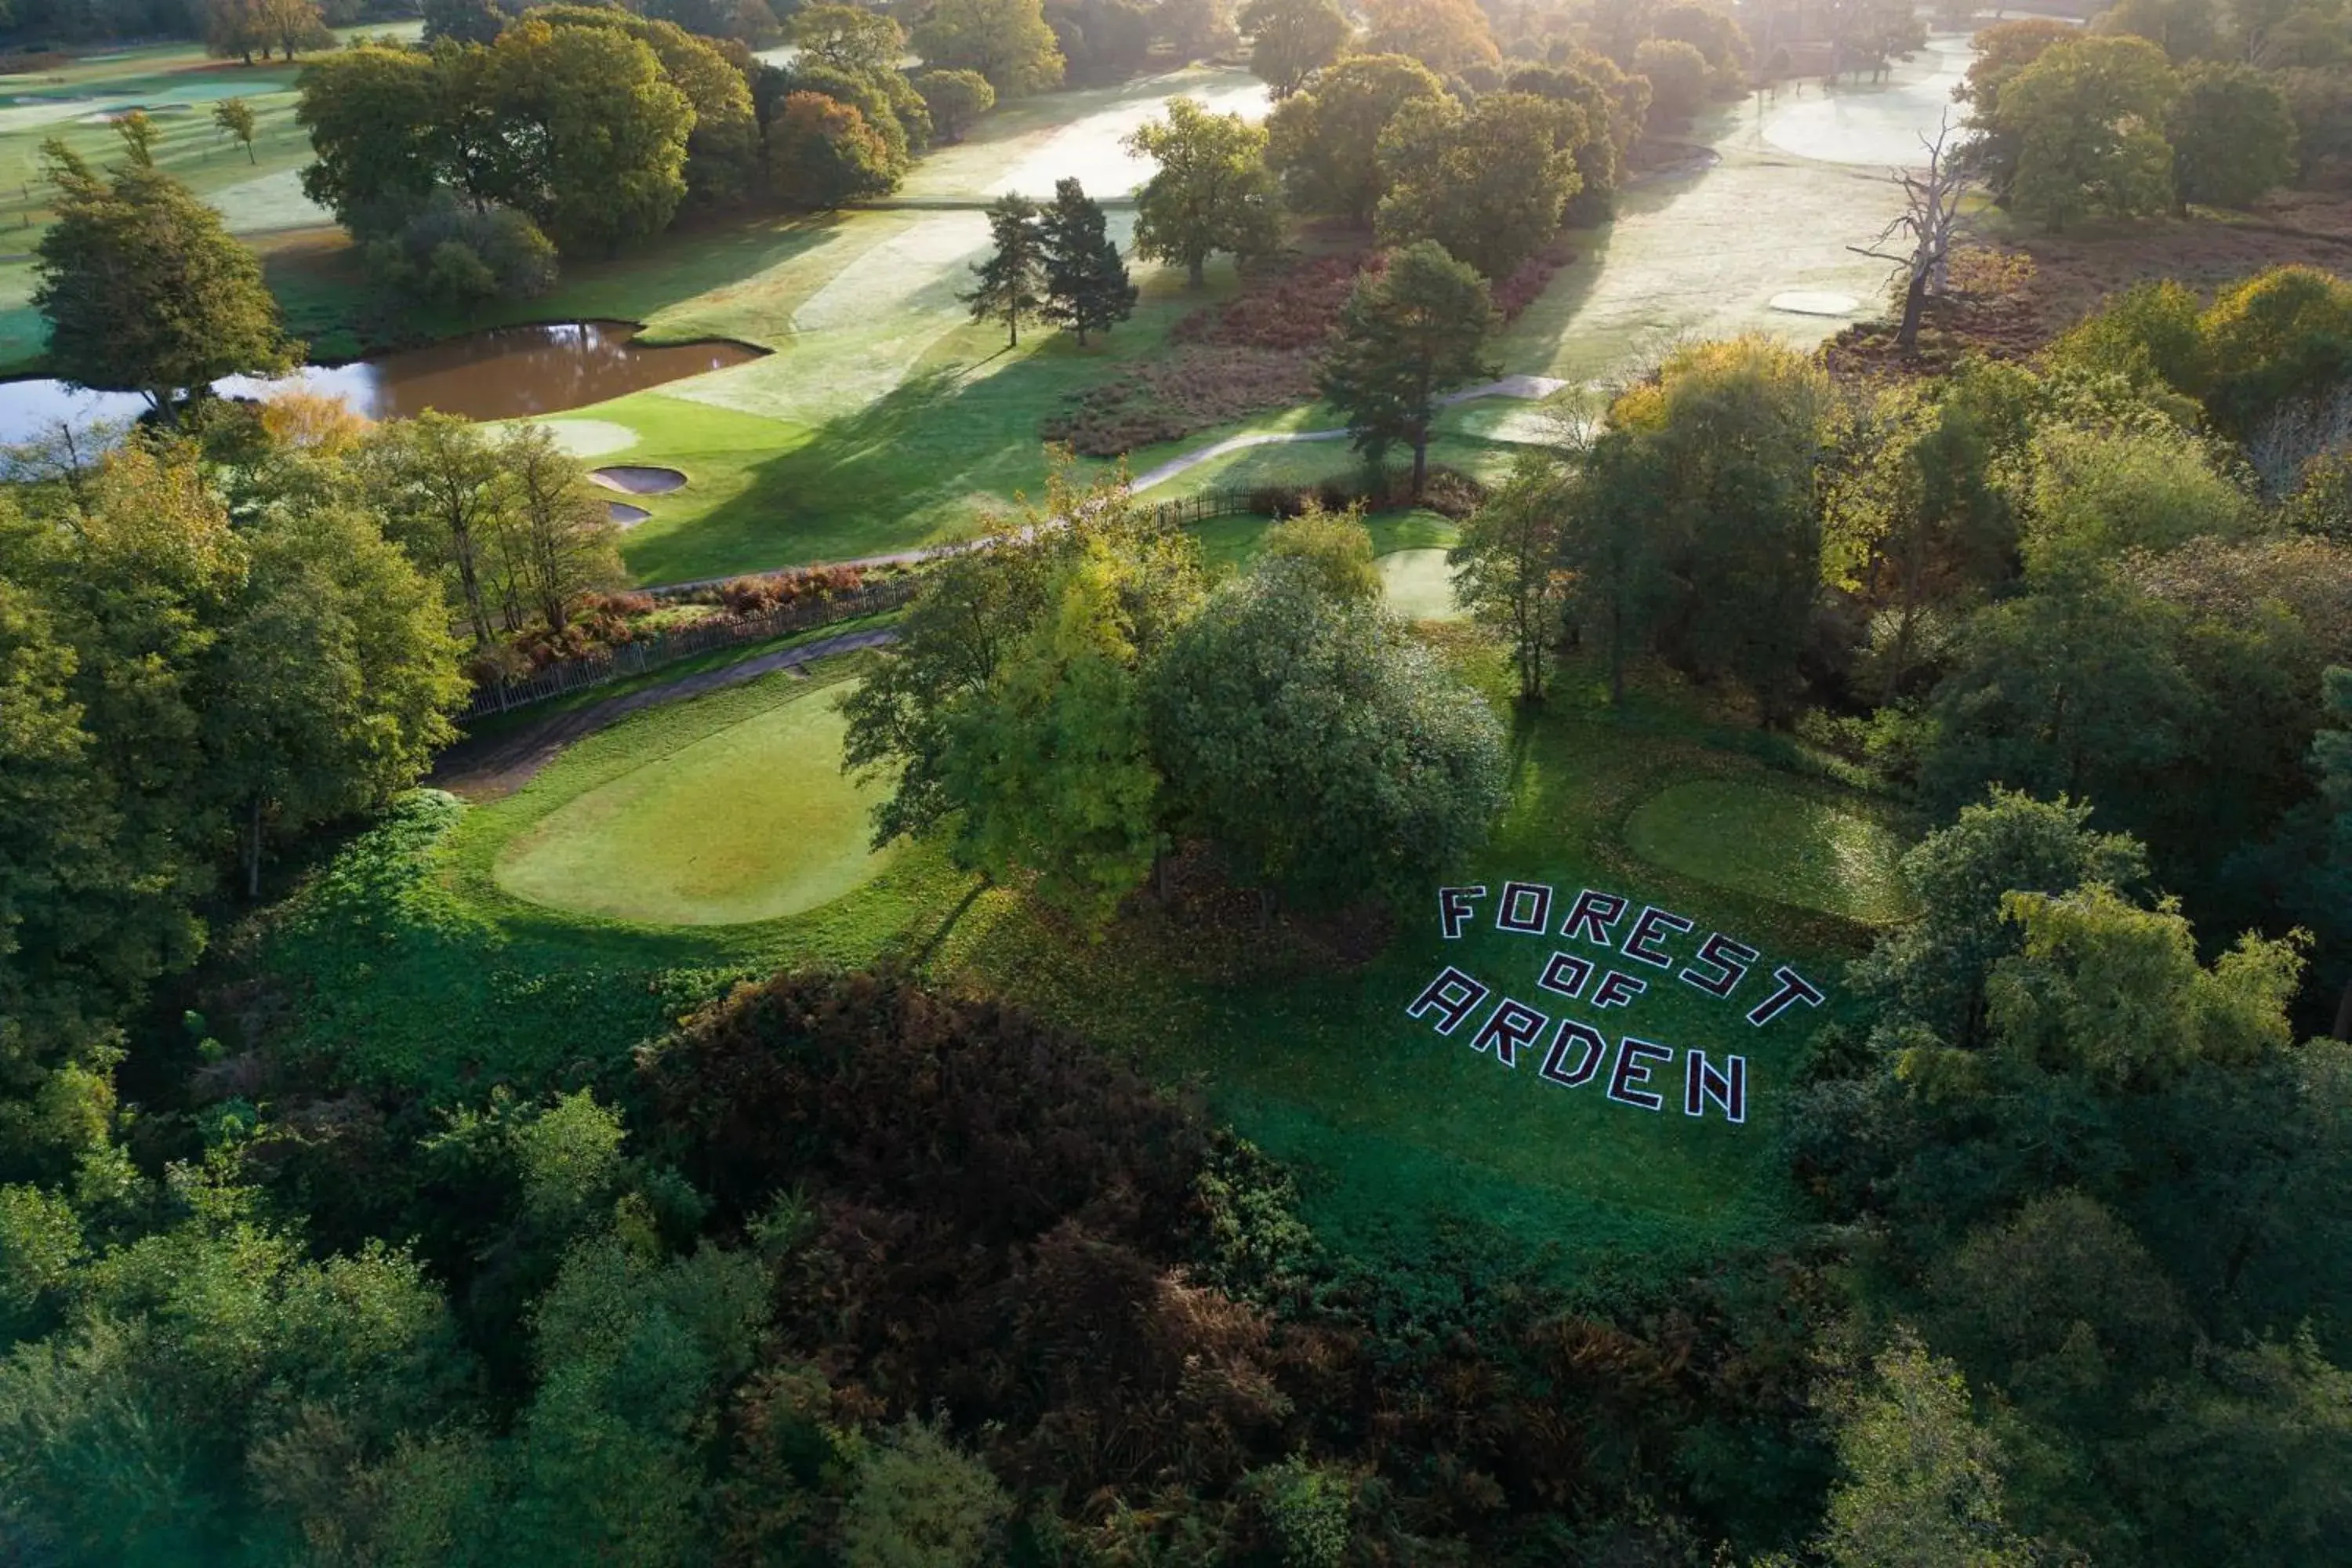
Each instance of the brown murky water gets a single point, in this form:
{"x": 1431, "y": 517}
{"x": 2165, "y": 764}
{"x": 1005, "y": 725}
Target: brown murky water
{"x": 506, "y": 374}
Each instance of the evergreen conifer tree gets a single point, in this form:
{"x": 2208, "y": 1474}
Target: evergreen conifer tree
{"x": 1087, "y": 286}
{"x": 1011, "y": 281}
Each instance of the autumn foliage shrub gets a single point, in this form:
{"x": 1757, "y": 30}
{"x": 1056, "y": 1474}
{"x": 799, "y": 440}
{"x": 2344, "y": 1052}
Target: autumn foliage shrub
{"x": 775, "y": 590}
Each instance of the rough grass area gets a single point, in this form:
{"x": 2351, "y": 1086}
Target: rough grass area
{"x": 1797, "y": 848}
{"x": 750, "y": 824}
{"x": 409, "y": 963}
{"x": 1419, "y": 586}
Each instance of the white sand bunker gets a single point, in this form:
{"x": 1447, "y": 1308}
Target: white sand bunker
{"x": 1815, "y": 302}
{"x": 589, "y": 438}
{"x": 636, "y": 480}
{"x": 626, "y": 515}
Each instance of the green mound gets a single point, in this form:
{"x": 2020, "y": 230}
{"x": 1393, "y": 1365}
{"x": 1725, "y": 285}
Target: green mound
{"x": 750, "y": 824}
{"x": 1419, "y": 586}
{"x": 1773, "y": 844}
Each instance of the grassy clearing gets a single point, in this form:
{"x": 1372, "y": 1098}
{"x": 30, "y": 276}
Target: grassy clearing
{"x": 425, "y": 968}
{"x": 750, "y": 823}
{"x": 1801, "y": 850}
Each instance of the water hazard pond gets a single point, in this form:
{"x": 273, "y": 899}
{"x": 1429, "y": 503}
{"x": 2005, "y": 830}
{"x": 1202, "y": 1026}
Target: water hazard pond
{"x": 506, "y": 374}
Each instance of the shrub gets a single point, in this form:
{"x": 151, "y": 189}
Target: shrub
{"x": 449, "y": 253}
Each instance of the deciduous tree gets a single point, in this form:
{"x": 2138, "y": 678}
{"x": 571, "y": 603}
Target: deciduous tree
{"x": 2232, "y": 136}
{"x": 602, "y": 129}
{"x": 235, "y": 118}
{"x": 849, "y": 37}
{"x": 145, "y": 291}
{"x": 957, "y": 99}
{"x": 1211, "y": 192}
{"x": 1446, "y": 36}
{"x": 1324, "y": 141}
{"x": 823, "y": 153}
{"x": 1404, "y": 339}
{"x": 1290, "y": 40}
{"x": 1509, "y": 571}
{"x": 2088, "y": 119}
{"x": 1489, "y": 184}
{"x": 1006, "y": 41}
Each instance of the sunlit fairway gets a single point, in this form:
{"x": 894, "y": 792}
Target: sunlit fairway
{"x": 750, "y": 824}
{"x": 1795, "y": 848}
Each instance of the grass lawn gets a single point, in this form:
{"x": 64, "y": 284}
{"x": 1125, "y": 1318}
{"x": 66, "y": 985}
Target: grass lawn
{"x": 1816, "y": 853}
{"x": 750, "y": 823}
{"x": 417, "y": 964}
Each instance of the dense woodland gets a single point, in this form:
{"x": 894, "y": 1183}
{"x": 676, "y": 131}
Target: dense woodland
{"x": 865, "y": 1268}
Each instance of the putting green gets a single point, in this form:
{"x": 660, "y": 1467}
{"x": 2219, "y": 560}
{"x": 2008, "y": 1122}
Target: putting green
{"x": 1774, "y": 844}
{"x": 750, "y": 824}
{"x": 1418, "y": 585}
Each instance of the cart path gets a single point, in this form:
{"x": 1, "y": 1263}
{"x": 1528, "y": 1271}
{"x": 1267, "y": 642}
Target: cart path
{"x": 484, "y": 770}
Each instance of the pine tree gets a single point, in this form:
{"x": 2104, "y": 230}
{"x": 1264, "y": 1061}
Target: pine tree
{"x": 1011, "y": 281}
{"x": 1086, "y": 286}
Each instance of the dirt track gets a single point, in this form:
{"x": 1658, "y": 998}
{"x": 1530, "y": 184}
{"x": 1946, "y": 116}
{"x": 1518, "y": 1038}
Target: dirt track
{"x": 485, "y": 770}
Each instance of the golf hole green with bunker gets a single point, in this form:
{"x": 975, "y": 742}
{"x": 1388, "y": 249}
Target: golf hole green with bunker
{"x": 752, "y": 823}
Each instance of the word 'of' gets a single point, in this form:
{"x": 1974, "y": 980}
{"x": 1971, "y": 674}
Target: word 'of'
{"x": 1577, "y": 1051}
{"x": 1717, "y": 967}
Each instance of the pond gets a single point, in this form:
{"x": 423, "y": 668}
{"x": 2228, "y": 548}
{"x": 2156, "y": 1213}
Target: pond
{"x": 507, "y": 374}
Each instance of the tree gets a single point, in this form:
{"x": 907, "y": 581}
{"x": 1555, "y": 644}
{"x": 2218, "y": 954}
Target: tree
{"x": 918, "y": 1499}
{"x": 1006, "y": 41}
{"x": 1010, "y": 286}
{"x": 1403, "y": 340}
{"x": 2232, "y": 136}
{"x": 236, "y": 117}
{"x": 2185, "y": 30}
{"x": 1211, "y": 192}
{"x": 145, "y": 291}
{"x": 2086, "y": 118}
{"x": 463, "y": 21}
{"x": 1446, "y": 36}
{"x": 1086, "y": 286}
{"x": 1677, "y": 75}
{"x": 1324, "y": 141}
{"x": 722, "y": 147}
{"x": 1508, "y": 568}
{"x": 849, "y": 37}
{"x": 339, "y": 674}
{"x": 603, "y": 133}
{"x": 1919, "y": 1480}
{"x": 1735, "y": 432}
{"x": 1929, "y": 220}
{"x": 1322, "y": 751}
{"x": 822, "y": 154}
{"x": 958, "y": 640}
{"x": 2003, "y": 50}
{"x": 235, "y": 30}
{"x": 440, "y": 490}
{"x": 1488, "y": 186}
{"x": 1290, "y": 40}
{"x": 378, "y": 120}
{"x": 295, "y": 23}
{"x": 1930, "y": 972}
{"x": 1193, "y": 29}
{"x": 957, "y": 99}
{"x": 1049, "y": 770}
{"x": 1333, "y": 549}
{"x": 558, "y": 541}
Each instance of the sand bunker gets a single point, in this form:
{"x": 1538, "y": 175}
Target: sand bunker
{"x": 635, "y": 479}
{"x": 1815, "y": 302}
{"x": 626, "y": 515}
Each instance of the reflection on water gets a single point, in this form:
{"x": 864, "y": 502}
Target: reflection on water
{"x": 502, "y": 374}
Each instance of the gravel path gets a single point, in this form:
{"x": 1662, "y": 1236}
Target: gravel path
{"x": 502, "y": 764}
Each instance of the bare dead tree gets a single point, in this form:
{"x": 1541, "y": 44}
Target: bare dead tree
{"x": 1927, "y": 227}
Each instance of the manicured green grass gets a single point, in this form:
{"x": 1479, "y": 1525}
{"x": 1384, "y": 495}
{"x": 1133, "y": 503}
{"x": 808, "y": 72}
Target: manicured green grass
{"x": 750, "y": 823}
{"x": 1233, "y": 542}
{"x": 438, "y": 977}
{"x": 1814, "y": 853}
{"x": 1419, "y": 586}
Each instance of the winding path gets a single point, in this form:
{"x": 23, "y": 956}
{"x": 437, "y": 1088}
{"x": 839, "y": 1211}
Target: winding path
{"x": 500, "y": 763}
